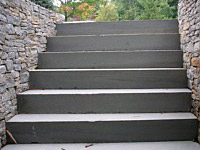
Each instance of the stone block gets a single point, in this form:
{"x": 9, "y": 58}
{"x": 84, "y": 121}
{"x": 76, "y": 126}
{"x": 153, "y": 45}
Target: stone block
{"x": 9, "y": 65}
{"x": 3, "y": 18}
{"x": 14, "y": 74}
{"x": 2, "y": 69}
{"x": 186, "y": 26}
{"x": 197, "y": 46}
{"x": 9, "y": 29}
{"x": 196, "y": 61}
{"x": 13, "y": 20}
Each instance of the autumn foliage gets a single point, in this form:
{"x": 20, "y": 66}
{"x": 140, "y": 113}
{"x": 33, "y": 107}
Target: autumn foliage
{"x": 85, "y": 11}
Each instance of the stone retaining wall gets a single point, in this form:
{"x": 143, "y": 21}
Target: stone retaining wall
{"x": 24, "y": 27}
{"x": 189, "y": 28}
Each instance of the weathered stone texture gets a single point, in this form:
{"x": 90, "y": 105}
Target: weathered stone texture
{"x": 24, "y": 27}
{"x": 189, "y": 28}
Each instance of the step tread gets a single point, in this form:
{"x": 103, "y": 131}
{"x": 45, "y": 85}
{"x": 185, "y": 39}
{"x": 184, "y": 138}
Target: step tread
{"x": 112, "y": 69}
{"x": 100, "y": 117}
{"x": 102, "y": 91}
{"x": 118, "y": 22}
{"x": 176, "y": 145}
{"x": 110, "y": 51}
{"x": 114, "y": 35}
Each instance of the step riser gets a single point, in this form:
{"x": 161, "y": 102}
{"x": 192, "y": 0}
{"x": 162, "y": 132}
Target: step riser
{"x": 122, "y": 42}
{"x": 104, "y": 103}
{"x": 142, "y": 59}
{"x": 89, "y": 132}
{"x": 128, "y": 27}
{"x": 123, "y": 79}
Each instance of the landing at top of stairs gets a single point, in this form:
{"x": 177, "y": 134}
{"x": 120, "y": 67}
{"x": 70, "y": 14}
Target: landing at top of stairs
{"x": 179, "y": 145}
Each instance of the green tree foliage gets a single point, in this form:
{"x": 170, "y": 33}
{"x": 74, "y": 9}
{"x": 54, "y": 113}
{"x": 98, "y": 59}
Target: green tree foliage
{"x": 95, "y": 2}
{"x": 174, "y": 7}
{"x": 127, "y": 9}
{"x": 107, "y": 12}
{"x": 154, "y": 9}
{"x": 44, "y": 3}
{"x": 146, "y": 9}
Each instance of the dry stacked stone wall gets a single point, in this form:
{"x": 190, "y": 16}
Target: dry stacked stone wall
{"x": 189, "y": 28}
{"x": 24, "y": 28}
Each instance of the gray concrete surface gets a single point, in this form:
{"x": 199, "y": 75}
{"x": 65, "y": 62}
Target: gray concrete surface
{"x": 120, "y": 59}
{"x": 114, "y": 42}
{"x": 127, "y": 27}
{"x": 108, "y": 78}
{"x": 178, "y": 145}
{"x": 100, "y": 117}
{"x": 104, "y": 101}
{"x": 103, "y": 91}
{"x": 89, "y": 128}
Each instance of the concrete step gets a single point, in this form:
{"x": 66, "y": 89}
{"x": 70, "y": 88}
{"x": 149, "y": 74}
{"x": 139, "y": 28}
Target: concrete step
{"x": 101, "y": 128}
{"x": 127, "y": 27}
{"x": 104, "y": 101}
{"x": 114, "y": 42}
{"x": 177, "y": 145}
{"x": 111, "y": 59}
{"x": 140, "y": 78}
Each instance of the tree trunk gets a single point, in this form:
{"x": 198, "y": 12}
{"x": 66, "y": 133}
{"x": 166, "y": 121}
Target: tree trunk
{"x": 66, "y": 16}
{"x": 65, "y": 11}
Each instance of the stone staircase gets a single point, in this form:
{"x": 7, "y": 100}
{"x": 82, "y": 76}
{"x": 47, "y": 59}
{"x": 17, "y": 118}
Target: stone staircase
{"x": 111, "y": 86}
